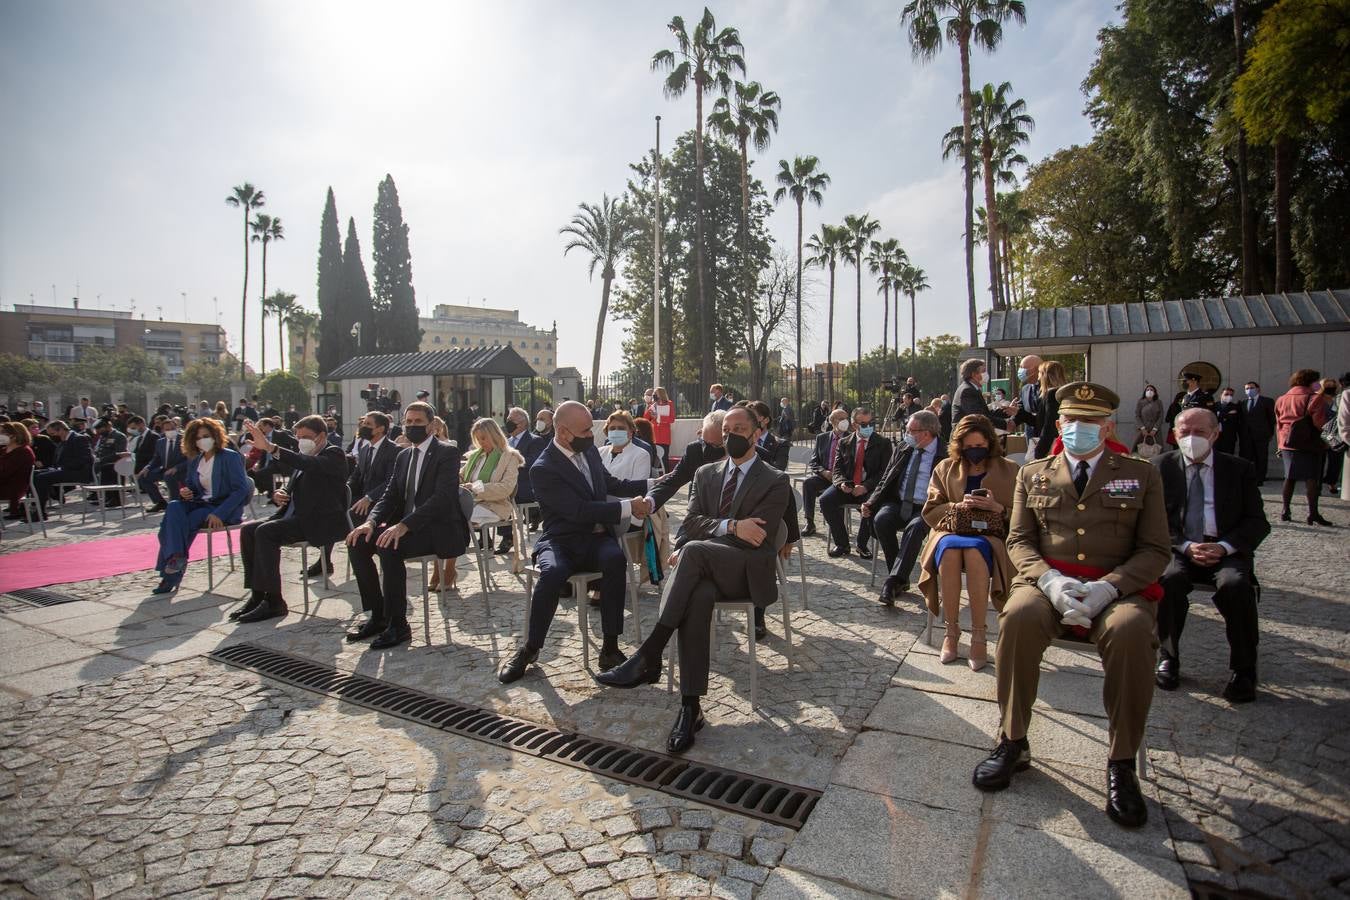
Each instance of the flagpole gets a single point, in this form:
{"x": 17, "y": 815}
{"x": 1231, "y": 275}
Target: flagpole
{"x": 656, "y": 266}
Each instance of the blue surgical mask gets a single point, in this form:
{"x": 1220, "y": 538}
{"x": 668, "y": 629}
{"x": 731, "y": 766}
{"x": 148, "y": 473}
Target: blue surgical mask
{"x": 1081, "y": 438}
{"x": 1021, "y": 374}
{"x": 618, "y": 437}
{"x": 866, "y": 430}
{"x": 1252, "y": 393}
{"x": 910, "y": 440}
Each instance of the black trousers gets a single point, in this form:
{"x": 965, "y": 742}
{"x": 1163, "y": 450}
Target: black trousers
{"x": 832, "y": 503}
{"x": 900, "y": 538}
{"x": 602, "y": 554}
{"x": 384, "y": 594}
{"x": 811, "y": 489}
{"x": 1258, "y": 454}
{"x": 1234, "y": 597}
{"x": 260, "y": 546}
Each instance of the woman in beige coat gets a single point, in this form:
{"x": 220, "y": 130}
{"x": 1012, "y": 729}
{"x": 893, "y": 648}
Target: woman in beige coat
{"x": 975, "y": 476}
{"x": 489, "y": 473}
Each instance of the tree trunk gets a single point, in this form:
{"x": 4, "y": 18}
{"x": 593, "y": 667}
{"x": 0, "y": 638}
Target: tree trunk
{"x": 707, "y": 326}
{"x": 281, "y": 343}
{"x": 1005, "y": 258}
{"x": 262, "y": 315}
{"x": 991, "y": 223}
{"x": 798, "y": 379}
{"x": 913, "y": 332}
{"x": 967, "y": 168}
{"x": 857, "y": 372}
{"x": 1284, "y": 256}
{"x": 885, "y": 320}
{"x": 608, "y": 276}
{"x": 243, "y": 310}
{"x": 745, "y": 268}
{"x": 895, "y": 326}
{"x": 829, "y": 341}
{"x": 1251, "y": 272}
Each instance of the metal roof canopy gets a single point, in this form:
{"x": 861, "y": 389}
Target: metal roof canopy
{"x": 1164, "y": 320}
{"x": 500, "y": 360}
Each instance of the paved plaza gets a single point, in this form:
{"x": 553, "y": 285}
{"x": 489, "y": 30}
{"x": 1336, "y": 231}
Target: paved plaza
{"x": 131, "y": 764}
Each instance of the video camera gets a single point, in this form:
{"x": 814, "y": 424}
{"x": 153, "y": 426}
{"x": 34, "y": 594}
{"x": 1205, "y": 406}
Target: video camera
{"x": 377, "y": 399}
{"x": 893, "y": 385}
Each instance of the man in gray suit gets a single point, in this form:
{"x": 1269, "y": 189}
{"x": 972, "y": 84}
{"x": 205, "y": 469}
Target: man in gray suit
{"x": 725, "y": 553}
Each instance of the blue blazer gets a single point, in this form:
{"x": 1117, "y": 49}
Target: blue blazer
{"x": 230, "y": 484}
{"x": 530, "y": 446}
{"x": 570, "y": 508}
{"x": 170, "y": 469}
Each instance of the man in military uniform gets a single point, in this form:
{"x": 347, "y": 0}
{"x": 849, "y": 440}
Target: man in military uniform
{"x": 1089, "y": 539}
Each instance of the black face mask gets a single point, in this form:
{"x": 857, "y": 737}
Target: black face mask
{"x": 365, "y": 432}
{"x": 415, "y": 433}
{"x": 509, "y": 428}
{"x": 737, "y": 445}
{"x": 713, "y": 452}
{"x": 581, "y": 443}
{"x": 975, "y": 455}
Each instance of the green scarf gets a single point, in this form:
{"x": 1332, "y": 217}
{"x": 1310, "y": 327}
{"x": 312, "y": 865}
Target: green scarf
{"x": 485, "y": 475}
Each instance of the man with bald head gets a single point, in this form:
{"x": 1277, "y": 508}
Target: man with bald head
{"x": 571, "y": 486}
{"x": 1217, "y": 520}
{"x": 1029, "y": 376}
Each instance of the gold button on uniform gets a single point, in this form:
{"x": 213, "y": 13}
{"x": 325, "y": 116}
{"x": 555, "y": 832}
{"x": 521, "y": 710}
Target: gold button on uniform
{"x": 1082, "y": 556}
{"x": 1082, "y": 531}
{"x": 1081, "y": 506}
{"x": 1122, "y": 506}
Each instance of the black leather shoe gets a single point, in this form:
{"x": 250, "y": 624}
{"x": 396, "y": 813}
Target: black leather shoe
{"x": 1124, "y": 802}
{"x": 687, "y": 723}
{"x": 809, "y": 530}
{"x": 1241, "y": 688}
{"x": 316, "y": 570}
{"x": 256, "y": 599}
{"x": 515, "y": 668}
{"x": 392, "y": 637}
{"x": 371, "y": 629}
{"x": 1168, "y": 673}
{"x": 271, "y": 608}
{"x": 761, "y": 632}
{"x": 891, "y": 588}
{"x": 1008, "y": 758}
{"x": 611, "y": 658}
{"x": 630, "y": 673}
{"x": 864, "y": 553}
{"x": 165, "y": 587}
{"x": 836, "y": 552}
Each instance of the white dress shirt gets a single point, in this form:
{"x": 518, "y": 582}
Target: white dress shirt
{"x": 205, "y": 469}
{"x": 724, "y": 524}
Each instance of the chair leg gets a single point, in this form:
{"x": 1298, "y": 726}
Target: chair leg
{"x": 426, "y": 600}
{"x": 801, "y": 561}
{"x": 875, "y": 553}
{"x": 229, "y": 545}
{"x": 1142, "y": 763}
{"x": 304, "y": 574}
{"x": 928, "y": 629}
{"x": 584, "y": 609}
{"x": 754, "y": 664}
{"x": 210, "y": 564}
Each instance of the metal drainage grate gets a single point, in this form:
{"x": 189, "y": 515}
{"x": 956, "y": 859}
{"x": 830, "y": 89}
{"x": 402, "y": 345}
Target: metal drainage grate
{"x": 738, "y": 792}
{"x": 41, "y": 598}
{"x": 1204, "y": 890}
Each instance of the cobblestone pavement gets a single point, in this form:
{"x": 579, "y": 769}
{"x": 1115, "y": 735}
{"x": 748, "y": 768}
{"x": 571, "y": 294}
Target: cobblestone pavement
{"x": 116, "y": 728}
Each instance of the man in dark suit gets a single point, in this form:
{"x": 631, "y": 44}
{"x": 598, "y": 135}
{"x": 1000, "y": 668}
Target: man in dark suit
{"x": 367, "y": 478}
{"x": 163, "y": 465}
{"x": 571, "y": 486}
{"x": 821, "y": 465}
{"x": 969, "y": 399}
{"x": 726, "y": 549}
{"x": 1229, "y": 414}
{"x": 1028, "y": 375}
{"x": 718, "y": 399}
{"x": 146, "y": 447}
{"x": 1216, "y": 520}
{"x": 418, "y": 515}
{"x": 529, "y": 445}
{"x": 74, "y": 462}
{"x": 111, "y": 446}
{"x": 1256, "y": 427}
{"x": 899, "y": 497}
{"x": 708, "y": 448}
{"x": 311, "y": 510}
{"x": 859, "y": 463}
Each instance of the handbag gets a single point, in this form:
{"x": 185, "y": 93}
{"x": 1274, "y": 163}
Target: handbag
{"x": 1304, "y": 433}
{"x": 1148, "y": 448}
{"x": 965, "y": 522}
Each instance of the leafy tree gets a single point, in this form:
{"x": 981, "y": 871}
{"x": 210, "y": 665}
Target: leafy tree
{"x": 246, "y": 197}
{"x": 802, "y": 180}
{"x": 769, "y": 310}
{"x": 827, "y": 249}
{"x": 860, "y": 230}
{"x": 19, "y": 373}
{"x": 281, "y": 389}
{"x": 966, "y": 24}
{"x": 213, "y": 380}
{"x": 884, "y": 258}
{"x": 107, "y": 366}
{"x": 266, "y": 229}
{"x": 334, "y": 323}
{"x": 280, "y": 305}
{"x": 604, "y": 233}
{"x": 704, "y": 60}
{"x": 355, "y": 300}
{"x": 395, "y": 320}
{"x": 912, "y": 281}
{"x": 303, "y": 325}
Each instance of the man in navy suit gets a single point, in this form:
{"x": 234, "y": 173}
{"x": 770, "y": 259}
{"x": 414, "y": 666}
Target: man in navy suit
{"x": 571, "y": 485}
{"x": 418, "y": 515}
{"x": 718, "y": 399}
{"x": 529, "y": 445}
{"x": 74, "y": 461}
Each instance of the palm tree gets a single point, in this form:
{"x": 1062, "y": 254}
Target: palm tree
{"x": 605, "y": 233}
{"x": 304, "y": 324}
{"x": 1000, "y": 125}
{"x": 247, "y": 197}
{"x": 1014, "y": 221}
{"x": 753, "y": 118}
{"x": 883, "y": 259}
{"x": 860, "y": 230}
{"x": 266, "y": 229}
{"x": 912, "y": 280}
{"x": 705, "y": 60}
{"x": 963, "y": 23}
{"x": 280, "y": 304}
{"x": 801, "y": 181}
{"x": 827, "y": 249}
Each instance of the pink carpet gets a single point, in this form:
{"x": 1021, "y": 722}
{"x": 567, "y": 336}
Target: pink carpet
{"x": 89, "y": 560}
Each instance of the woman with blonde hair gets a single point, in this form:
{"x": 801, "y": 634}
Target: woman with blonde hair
{"x": 439, "y": 430}
{"x": 1052, "y": 377}
{"x": 970, "y": 498}
{"x": 488, "y": 476}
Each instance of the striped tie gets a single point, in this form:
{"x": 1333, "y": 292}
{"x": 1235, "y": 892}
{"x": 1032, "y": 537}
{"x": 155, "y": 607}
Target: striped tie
{"x": 728, "y": 493}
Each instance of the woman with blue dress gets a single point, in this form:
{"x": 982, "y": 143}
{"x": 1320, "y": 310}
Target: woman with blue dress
{"x": 215, "y": 488}
{"x": 977, "y": 478}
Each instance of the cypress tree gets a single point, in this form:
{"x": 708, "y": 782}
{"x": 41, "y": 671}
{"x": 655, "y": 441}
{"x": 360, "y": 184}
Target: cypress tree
{"x": 355, "y": 302}
{"x": 331, "y": 323}
{"x": 394, "y": 301}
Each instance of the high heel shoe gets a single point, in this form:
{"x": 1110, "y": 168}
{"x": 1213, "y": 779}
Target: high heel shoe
{"x": 949, "y": 645}
{"x": 1284, "y": 516}
{"x": 979, "y": 652}
{"x": 1316, "y": 519}
{"x": 166, "y": 586}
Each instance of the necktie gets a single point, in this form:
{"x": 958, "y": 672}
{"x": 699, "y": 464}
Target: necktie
{"x": 1194, "y": 523}
{"x": 411, "y": 502}
{"x": 834, "y": 448}
{"x": 858, "y": 462}
{"x": 911, "y": 481}
{"x": 729, "y": 493}
{"x": 1080, "y": 480}
{"x": 580, "y": 461}
{"x": 1251, "y": 405}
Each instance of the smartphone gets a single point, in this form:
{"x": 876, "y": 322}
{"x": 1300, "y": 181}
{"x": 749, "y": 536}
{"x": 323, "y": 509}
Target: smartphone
{"x": 980, "y": 492}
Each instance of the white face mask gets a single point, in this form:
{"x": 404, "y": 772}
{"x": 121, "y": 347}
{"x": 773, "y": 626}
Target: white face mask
{"x": 306, "y": 445}
{"x": 205, "y": 444}
{"x": 4, "y": 440}
{"x": 841, "y": 425}
{"x": 1150, "y": 394}
{"x": 170, "y": 435}
{"x": 1193, "y": 447}
{"x": 540, "y": 426}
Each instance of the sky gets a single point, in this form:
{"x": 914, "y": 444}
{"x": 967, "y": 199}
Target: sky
{"x": 123, "y": 127}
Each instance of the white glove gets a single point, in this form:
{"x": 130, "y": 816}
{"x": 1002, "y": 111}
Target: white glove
{"x": 1059, "y": 589}
{"x": 1100, "y": 594}
{"x": 1076, "y": 618}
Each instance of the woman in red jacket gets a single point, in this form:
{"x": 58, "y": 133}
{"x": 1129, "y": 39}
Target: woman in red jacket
{"x": 1301, "y": 448}
{"x": 16, "y": 466}
{"x": 661, "y": 414}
